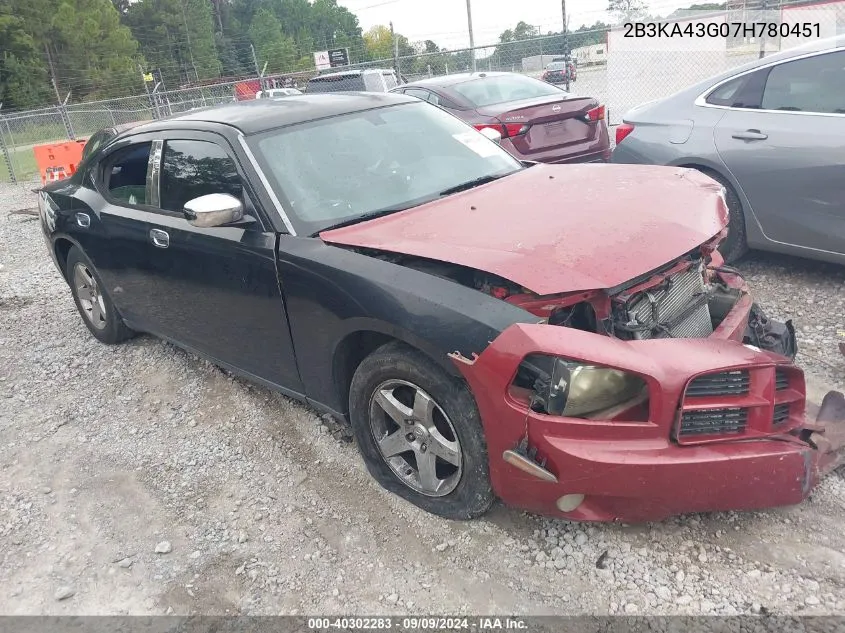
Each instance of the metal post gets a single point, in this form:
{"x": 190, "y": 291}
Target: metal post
{"x": 66, "y": 119}
{"x": 471, "y": 40}
{"x": 257, "y": 69}
{"x": 763, "y": 35}
{"x": 395, "y": 46}
{"x": 147, "y": 90}
{"x": 7, "y": 158}
{"x": 565, "y": 41}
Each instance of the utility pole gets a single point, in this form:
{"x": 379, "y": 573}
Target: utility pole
{"x": 395, "y": 46}
{"x": 471, "y": 40}
{"x": 565, "y": 41}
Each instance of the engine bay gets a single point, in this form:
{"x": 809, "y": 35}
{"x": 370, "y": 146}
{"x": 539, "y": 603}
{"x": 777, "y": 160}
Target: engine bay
{"x": 686, "y": 298}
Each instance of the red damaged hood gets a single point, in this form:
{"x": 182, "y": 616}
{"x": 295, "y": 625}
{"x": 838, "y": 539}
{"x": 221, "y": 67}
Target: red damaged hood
{"x": 558, "y": 228}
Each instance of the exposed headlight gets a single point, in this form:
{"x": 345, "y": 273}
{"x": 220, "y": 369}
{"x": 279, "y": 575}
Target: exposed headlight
{"x": 574, "y": 389}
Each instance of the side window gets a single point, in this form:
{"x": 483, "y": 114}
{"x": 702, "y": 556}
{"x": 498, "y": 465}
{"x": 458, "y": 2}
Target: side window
{"x": 125, "y": 174}
{"x": 725, "y": 94}
{"x": 419, "y": 93}
{"x": 433, "y": 98}
{"x": 743, "y": 92}
{"x": 93, "y": 144}
{"x": 813, "y": 84}
{"x": 190, "y": 169}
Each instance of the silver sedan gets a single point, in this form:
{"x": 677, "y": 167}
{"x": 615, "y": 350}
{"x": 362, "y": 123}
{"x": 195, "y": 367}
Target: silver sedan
{"x": 773, "y": 133}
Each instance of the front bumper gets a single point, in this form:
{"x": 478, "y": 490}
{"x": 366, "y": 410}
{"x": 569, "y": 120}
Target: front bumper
{"x": 601, "y": 470}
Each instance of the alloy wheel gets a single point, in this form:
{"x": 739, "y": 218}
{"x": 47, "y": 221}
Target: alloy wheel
{"x": 416, "y": 438}
{"x": 89, "y": 295}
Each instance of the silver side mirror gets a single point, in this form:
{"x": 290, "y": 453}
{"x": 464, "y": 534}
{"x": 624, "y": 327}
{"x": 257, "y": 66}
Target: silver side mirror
{"x": 493, "y": 135}
{"x": 214, "y": 209}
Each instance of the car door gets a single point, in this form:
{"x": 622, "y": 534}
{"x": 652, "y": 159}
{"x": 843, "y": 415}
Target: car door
{"x": 783, "y": 141}
{"x": 212, "y": 289}
{"x": 116, "y": 190}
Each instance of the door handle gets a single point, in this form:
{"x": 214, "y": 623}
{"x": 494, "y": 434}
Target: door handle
{"x": 750, "y": 135}
{"x": 160, "y": 238}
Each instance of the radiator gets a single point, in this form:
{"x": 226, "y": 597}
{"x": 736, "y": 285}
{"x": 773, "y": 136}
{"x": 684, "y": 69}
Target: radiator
{"x": 664, "y": 304}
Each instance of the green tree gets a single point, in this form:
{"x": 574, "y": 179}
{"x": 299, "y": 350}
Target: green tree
{"x": 93, "y": 55}
{"x": 627, "y": 10}
{"x": 24, "y": 81}
{"x": 379, "y": 43}
{"x": 177, "y": 37}
{"x": 271, "y": 44}
{"x": 691, "y": 10}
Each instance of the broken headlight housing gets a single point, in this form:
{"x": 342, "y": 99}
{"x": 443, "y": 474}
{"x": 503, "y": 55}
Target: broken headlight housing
{"x": 576, "y": 389}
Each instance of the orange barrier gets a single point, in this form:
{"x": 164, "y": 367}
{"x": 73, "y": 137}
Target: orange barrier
{"x": 57, "y": 161}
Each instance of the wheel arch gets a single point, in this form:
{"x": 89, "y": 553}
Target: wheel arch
{"x": 362, "y": 339}
{"x": 61, "y": 247}
{"x": 753, "y": 231}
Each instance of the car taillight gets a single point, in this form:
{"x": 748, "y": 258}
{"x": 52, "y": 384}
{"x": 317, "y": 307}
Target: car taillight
{"x": 507, "y": 130}
{"x": 515, "y": 129}
{"x": 596, "y": 114}
{"x": 622, "y": 131}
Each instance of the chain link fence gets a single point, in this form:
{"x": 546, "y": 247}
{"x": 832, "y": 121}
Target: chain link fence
{"x": 620, "y": 72}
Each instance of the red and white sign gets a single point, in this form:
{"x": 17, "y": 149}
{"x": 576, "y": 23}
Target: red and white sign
{"x": 322, "y": 60}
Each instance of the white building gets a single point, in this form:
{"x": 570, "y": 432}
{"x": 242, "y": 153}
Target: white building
{"x": 591, "y": 54}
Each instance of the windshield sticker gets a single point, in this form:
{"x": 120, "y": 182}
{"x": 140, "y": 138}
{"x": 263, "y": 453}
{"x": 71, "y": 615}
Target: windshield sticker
{"x": 482, "y": 146}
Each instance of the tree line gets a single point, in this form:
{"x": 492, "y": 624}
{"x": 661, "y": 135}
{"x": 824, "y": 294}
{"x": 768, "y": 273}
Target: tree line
{"x": 85, "y": 50}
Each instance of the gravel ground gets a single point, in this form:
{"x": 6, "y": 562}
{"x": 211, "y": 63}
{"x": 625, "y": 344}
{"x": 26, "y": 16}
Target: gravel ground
{"x": 139, "y": 479}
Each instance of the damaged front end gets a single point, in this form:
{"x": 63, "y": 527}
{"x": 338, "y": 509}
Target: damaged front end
{"x": 673, "y": 394}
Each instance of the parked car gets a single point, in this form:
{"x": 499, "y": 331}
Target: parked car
{"x": 368, "y": 80}
{"x": 487, "y": 327}
{"x": 272, "y": 93}
{"x": 772, "y": 132}
{"x": 538, "y": 121}
{"x": 556, "y": 72}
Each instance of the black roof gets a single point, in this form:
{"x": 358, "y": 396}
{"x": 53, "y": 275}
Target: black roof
{"x": 264, "y": 114}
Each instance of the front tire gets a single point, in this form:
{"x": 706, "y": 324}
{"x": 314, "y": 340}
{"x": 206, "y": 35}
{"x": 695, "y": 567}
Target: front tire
{"x": 419, "y": 432}
{"x": 93, "y": 303}
{"x": 735, "y": 244}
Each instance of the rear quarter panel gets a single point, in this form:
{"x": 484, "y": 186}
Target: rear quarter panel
{"x": 681, "y": 134}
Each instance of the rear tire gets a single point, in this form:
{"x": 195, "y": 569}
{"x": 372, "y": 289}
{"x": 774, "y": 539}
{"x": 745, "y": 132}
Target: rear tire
{"x": 419, "y": 432}
{"x": 734, "y": 245}
{"x": 93, "y": 303}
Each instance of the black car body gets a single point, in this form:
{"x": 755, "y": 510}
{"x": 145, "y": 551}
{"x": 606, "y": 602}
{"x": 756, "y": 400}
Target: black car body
{"x": 378, "y": 258}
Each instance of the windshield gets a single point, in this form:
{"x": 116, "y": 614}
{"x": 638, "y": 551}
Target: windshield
{"x": 335, "y": 83}
{"x": 556, "y": 66}
{"x": 340, "y": 169}
{"x": 486, "y": 91}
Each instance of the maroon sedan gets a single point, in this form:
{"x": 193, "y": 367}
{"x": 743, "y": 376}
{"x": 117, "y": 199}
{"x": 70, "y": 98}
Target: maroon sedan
{"x": 538, "y": 121}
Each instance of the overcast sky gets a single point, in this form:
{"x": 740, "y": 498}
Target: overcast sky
{"x": 445, "y": 21}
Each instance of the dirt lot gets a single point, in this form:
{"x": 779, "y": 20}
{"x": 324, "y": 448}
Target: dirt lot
{"x": 138, "y": 479}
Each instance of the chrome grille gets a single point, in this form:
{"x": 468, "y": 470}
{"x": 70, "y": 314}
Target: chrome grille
{"x": 726, "y": 383}
{"x": 713, "y": 422}
{"x": 665, "y": 305}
